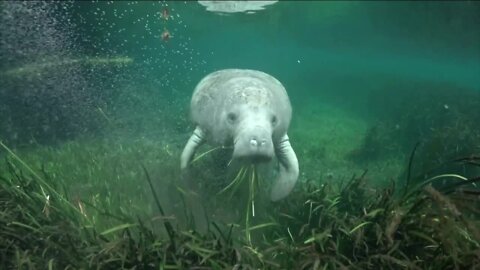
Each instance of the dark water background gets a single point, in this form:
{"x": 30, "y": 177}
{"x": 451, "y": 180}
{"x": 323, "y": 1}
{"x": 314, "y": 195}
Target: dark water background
{"x": 367, "y": 80}
{"x": 334, "y": 52}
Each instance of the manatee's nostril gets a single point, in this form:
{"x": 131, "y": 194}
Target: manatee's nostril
{"x": 263, "y": 142}
{"x": 253, "y": 142}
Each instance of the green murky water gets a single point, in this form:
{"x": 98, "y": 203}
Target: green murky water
{"x": 90, "y": 91}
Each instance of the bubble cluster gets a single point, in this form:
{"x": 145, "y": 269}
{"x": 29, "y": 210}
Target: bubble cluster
{"x": 134, "y": 28}
{"x": 60, "y": 62}
{"x": 46, "y": 98}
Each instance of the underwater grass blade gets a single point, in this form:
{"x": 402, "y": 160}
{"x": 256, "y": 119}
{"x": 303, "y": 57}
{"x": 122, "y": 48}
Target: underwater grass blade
{"x": 206, "y": 153}
{"x": 418, "y": 188}
{"x": 102, "y": 212}
{"x": 471, "y": 160}
{"x": 453, "y": 187}
{"x": 190, "y": 220}
{"x": 166, "y": 223}
{"x": 220, "y": 232}
{"x": 250, "y": 203}
{"x": 423, "y": 236}
{"x": 25, "y": 226}
{"x": 409, "y": 169}
{"x": 359, "y": 226}
{"x": 40, "y": 179}
{"x": 264, "y": 225}
{"x": 229, "y": 236}
{"x": 117, "y": 228}
{"x": 104, "y": 115}
{"x": 236, "y": 180}
{"x": 252, "y": 190}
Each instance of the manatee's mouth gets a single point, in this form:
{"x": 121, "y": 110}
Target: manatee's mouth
{"x": 253, "y": 158}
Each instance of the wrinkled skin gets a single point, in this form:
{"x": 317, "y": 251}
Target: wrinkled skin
{"x": 250, "y": 110}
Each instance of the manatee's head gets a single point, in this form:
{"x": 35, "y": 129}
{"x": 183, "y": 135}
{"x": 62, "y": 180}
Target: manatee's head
{"x": 252, "y": 130}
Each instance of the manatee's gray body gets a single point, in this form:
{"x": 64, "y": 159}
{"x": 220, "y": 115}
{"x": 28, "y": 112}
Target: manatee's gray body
{"x": 247, "y": 109}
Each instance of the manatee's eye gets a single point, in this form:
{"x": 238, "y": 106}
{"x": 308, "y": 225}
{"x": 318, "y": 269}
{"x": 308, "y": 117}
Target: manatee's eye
{"x": 274, "y": 120}
{"x": 232, "y": 118}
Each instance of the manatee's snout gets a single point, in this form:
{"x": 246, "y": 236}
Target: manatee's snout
{"x": 254, "y": 145}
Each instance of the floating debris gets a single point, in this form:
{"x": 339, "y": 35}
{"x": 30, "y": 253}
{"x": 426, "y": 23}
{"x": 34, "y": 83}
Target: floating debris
{"x": 166, "y": 35}
{"x": 165, "y": 14}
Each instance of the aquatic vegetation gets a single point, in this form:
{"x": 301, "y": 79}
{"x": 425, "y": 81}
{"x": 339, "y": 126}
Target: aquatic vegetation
{"x": 33, "y": 237}
{"x": 41, "y": 229}
{"x": 90, "y": 138}
{"x": 327, "y": 226}
{"x": 246, "y": 173}
{"x": 442, "y": 122}
{"x": 362, "y": 228}
{"x": 106, "y": 178}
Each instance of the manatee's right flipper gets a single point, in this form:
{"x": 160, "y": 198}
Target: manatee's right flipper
{"x": 288, "y": 174}
{"x": 197, "y": 139}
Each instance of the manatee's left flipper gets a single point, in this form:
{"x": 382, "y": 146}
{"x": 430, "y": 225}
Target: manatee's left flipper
{"x": 288, "y": 174}
{"x": 197, "y": 139}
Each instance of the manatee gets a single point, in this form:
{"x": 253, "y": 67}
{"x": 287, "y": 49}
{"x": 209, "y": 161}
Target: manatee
{"x": 249, "y": 110}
